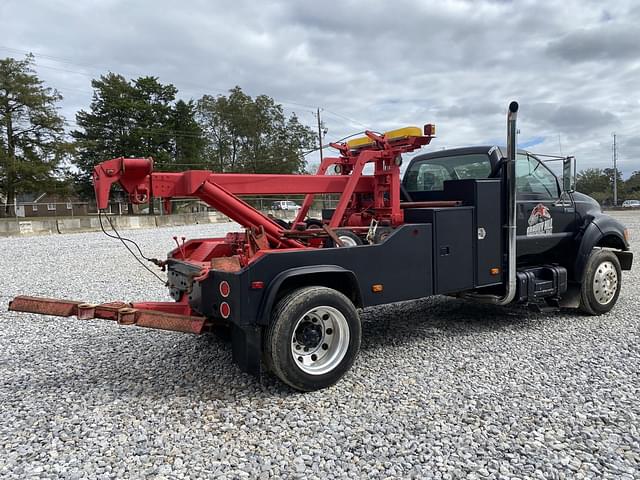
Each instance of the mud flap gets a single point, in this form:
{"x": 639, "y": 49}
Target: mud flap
{"x": 571, "y": 298}
{"x": 246, "y": 344}
{"x": 625, "y": 259}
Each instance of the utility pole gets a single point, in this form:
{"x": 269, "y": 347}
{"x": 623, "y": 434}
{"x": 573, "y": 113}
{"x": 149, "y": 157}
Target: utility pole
{"x": 560, "y": 145}
{"x": 615, "y": 171}
{"x": 319, "y": 134}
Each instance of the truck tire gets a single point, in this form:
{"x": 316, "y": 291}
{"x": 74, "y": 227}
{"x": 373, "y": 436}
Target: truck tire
{"x": 314, "y": 223}
{"x": 348, "y": 238}
{"x": 283, "y": 223}
{"x": 313, "y": 338}
{"x": 601, "y": 283}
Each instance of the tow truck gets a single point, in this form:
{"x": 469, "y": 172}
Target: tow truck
{"x": 478, "y": 223}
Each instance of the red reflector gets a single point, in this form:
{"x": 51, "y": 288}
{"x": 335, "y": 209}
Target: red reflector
{"x": 225, "y": 310}
{"x": 225, "y": 289}
{"x": 257, "y": 285}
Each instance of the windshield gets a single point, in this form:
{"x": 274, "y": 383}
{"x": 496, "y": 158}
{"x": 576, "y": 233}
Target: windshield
{"x": 430, "y": 174}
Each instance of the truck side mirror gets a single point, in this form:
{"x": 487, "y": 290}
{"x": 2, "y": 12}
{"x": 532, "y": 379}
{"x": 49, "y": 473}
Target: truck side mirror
{"x": 497, "y": 167}
{"x": 569, "y": 174}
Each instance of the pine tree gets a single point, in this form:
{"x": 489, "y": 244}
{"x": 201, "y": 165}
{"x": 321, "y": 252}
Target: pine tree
{"x": 31, "y": 132}
{"x": 138, "y": 118}
{"x": 188, "y": 143}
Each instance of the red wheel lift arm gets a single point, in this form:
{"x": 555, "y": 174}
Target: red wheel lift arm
{"x": 162, "y": 315}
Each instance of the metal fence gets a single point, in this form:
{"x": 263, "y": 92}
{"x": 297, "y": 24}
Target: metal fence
{"x": 46, "y": 209}
{"x": 79, "y": 209}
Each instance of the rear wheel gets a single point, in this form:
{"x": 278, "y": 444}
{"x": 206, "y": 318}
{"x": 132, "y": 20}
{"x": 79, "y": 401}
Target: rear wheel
{"x": 283, "y": 223}
{"x": 348, "y": 238}
{"x": 601, "y": 284}
{"x": 313, "y": 338}
{"x": 314, "y": 223}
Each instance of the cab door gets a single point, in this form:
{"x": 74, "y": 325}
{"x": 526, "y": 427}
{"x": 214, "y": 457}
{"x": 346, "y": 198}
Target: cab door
{"x": 545, "y": 216}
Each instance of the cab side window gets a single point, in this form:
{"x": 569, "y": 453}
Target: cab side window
{"x": 432, "y": 177}
{"x": 534, "y": 179}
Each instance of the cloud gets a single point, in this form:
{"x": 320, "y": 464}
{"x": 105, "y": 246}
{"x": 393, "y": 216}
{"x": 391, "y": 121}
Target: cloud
{"x": 571, "y": 65}
{"x": 532, "y": 142}
{"x": 607, "y": 42}
{"x": 572, "y": 119}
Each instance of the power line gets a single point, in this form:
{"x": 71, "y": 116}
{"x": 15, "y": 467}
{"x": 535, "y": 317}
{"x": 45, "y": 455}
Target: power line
{"x": 145, "y": 130}
{"x": 344, "y": 117}
{"x": 193, "y": 89}
{"x": 52, "y": 57}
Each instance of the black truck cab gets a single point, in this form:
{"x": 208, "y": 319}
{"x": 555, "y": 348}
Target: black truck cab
{"x": 557, "y": 228}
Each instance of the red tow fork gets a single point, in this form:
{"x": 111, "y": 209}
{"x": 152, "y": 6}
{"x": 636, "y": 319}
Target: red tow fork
{"x": 123, "y": 313}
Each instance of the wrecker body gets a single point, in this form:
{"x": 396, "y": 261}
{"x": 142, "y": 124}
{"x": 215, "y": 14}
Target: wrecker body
{"x": 480, "y": 223}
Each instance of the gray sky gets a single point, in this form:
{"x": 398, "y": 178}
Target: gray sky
{"x": 574, "y": 66}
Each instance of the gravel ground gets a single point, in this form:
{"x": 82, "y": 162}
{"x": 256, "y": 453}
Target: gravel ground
{"x": 442, "y": 388}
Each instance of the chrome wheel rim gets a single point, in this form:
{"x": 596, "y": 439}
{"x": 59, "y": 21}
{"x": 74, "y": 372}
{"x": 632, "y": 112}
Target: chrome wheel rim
{"x": 605, "y": 283}
{"x": 320, "y": 340}
{"x": 347, "y": 241}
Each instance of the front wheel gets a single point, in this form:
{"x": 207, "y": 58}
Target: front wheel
{"x": 313, "y": 338}
{"x": 601, "y": 283}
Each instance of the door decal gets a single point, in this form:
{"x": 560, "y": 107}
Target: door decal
{"x": 540, "y": 221}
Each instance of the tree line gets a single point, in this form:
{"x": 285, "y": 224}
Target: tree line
{"x": 40, "y": 152}
{"x": 598, "y": 184}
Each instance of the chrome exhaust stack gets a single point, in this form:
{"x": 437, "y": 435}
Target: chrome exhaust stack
{"x": 510, "y": 183}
